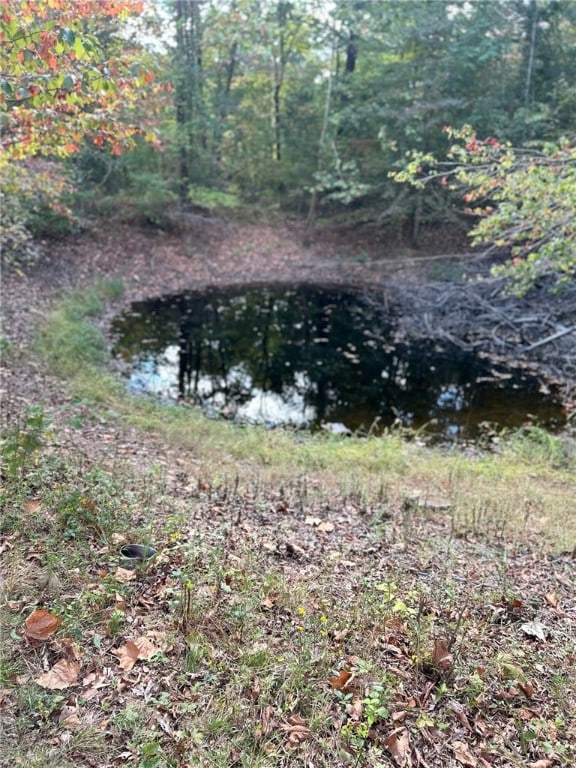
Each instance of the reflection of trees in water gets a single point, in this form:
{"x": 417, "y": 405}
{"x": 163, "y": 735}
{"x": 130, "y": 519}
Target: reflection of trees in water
{"x": 329, "y": 349}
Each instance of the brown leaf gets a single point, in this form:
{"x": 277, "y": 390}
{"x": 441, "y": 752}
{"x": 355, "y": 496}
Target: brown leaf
{"x": 296, "y": 729}
{"x": 546, "y": 762}
{"x": 552, "y": 599}
{"x": 463, "y": 755}
{"x": 41, "y": 624}
{"x": 326, "y": 527}
{"x": 146, "y": 648}
{"x": 268, "y": 602}
{"x": 355, "y": 708}
{"x": 62, "y": 675}
{"x": 255, "y": 690}
{"x": 527, "y": 689}
{"x": 441, "y": 656}
{"x": 398, "y": 744}
{"x": 31, "y": 506}
{"x": 124, "y": 574}
{"x": 340, "y": 681}
{"x": 67, "y": 648}
{"x": 127, "y": 655}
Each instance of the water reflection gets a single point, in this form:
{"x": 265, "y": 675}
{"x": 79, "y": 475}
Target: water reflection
{"x": 309, "y": 356}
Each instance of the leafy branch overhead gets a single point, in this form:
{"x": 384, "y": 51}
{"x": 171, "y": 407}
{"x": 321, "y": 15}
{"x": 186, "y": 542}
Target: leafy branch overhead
{"x": 69, "y": 74}
{"x": 523, "y": 199}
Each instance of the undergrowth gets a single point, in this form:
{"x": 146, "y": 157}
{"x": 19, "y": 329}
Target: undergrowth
{"x": 315, "y": 601}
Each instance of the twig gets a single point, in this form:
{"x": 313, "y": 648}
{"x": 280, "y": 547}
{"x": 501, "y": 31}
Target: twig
{"x": 548, "y": 339}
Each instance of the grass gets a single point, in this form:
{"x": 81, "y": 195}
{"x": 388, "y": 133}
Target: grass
{"x": 314, "y": 600}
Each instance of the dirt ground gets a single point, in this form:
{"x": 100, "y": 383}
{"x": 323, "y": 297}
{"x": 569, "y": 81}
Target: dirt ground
{"x": 434, "y": 287}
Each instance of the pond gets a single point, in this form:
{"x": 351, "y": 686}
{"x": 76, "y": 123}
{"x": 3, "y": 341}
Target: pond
{"x": 313, "y": 357}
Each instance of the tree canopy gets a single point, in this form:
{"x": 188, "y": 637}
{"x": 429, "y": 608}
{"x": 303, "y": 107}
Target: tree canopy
{"x": 307, "y": 105}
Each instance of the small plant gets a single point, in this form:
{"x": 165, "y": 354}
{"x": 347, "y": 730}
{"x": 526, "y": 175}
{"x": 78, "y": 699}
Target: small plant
{"x": 22, "y": 444}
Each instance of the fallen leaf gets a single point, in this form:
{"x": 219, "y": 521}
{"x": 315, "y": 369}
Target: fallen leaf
{"x": 546, "y": 762}
{"x": 441, "y": 656}
{"x": 527, "y": 689}
{"x": 296, "y": 729}
{"x": 326, "y": 527}
{"x": 255, "y": 690}
{"x": 94, "y": 681}
{"x": 355, "y": 708}
{"x": 67, "y": 648}
{"x": 69, "y": 718}
{"x": 535, "y": 629}
{"x": 41, "y": 624}
{"x": 552, "y": 599}
{"x": 311, "y": 520}
{"x": 340, "y": 681}
{"x": 124, "y": 574}
{"x": 398, "y": 744}
{"x": 62, "y": 675}
{"x": 127, "y": 655}
{"x": 31, "y": 506}
{"x": 463, "y": 755}
{"x": 146, "y": 648}
{"x": 268, "y": 602}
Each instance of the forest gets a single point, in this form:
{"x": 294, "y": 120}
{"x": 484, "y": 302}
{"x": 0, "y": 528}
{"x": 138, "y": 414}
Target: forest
{"x": 368, "y": 206}
{"x": 317, "y": 109}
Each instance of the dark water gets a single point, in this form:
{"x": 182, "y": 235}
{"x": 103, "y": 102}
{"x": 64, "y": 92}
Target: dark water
{"x": 310, "y": 356}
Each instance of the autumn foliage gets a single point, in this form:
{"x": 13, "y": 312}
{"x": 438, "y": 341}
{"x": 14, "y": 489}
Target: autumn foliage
{"x": 66, "y": 75}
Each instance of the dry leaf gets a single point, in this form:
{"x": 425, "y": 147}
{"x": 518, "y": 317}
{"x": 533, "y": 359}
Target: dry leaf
{"x": 268, "y": 602}
{"x": 326, "y": 527}
{"x": 340, "y": 682}
{"x": 124, "y": 574}
{"x": 94, "y": 681}
{"x": 546, "y": 762}
{"x": 552, "y": 599}
{"x": 41, "y": 624}
{"x": 296, "y": 729}
{"x": 355, "y": 708}
{"x": 146, "y": 648}
{"x": 535, "y": 629}
{"x": 311, "y": 520}
{"x": 463, "y": 755}
{"x": 69, "y": 718}
{"x": 127, "y": 655}
{"x": 31, "y": 506}
{"x": 398, "y": 744}
{"x": 441, "y": 656}
{"x": 62, "y": 675}
{"x": 527, "y": 689}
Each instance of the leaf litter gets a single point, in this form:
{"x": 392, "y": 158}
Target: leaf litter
{"x": 472, "y": 649}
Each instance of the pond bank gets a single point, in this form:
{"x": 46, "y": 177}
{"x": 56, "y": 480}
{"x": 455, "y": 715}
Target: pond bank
{"x": 437, "y": 295}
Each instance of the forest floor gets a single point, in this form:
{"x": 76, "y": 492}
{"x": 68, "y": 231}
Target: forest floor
{"x": 417, "y": 609}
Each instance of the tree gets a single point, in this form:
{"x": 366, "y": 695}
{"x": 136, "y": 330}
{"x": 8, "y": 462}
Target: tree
{"x": 60, "y": 84}
{"x": 67, "y": 77}
{"x": 524, "y": 199}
